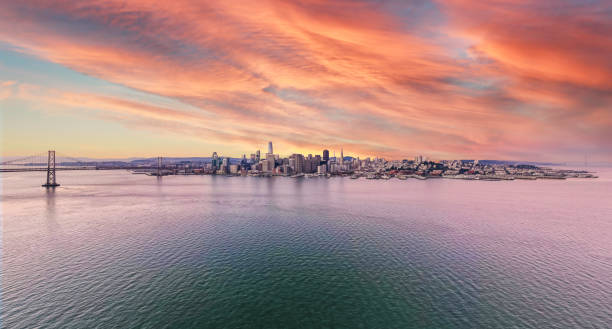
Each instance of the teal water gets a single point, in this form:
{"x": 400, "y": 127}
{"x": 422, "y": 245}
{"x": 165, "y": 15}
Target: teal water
{"x": 115, "y": 250}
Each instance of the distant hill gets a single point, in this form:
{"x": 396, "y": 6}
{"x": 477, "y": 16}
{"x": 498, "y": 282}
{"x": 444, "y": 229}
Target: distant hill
{"x": 509, "y": 162}
{"x": 182, "y": 159}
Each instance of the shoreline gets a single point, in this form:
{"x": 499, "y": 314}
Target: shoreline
{"x": 371, "y": 176}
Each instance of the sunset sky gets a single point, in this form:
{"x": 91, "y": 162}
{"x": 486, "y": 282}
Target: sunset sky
{"x": 515, "y": 80}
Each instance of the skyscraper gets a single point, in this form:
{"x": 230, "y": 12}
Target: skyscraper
{"x": 297, "y": 163}
{"x": 270, "y": 150}
{"x": 215, "y": 161}
{"x": 269, "y": 163}
{"x": 325, "y": 155}
{"x": 341, "y": 156}
{"x": 224, "y": 166}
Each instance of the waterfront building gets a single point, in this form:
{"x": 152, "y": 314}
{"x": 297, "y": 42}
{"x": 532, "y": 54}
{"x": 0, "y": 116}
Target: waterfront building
{"x": 215, "y": 161}
{"x": 298, "y": 163}
{"x": 307, "y": 165}
{"x": 322, "y": 169}
{"x": 292, "y": 163}
{"x": 310, "y": 165}
{"x": 223, "y": 167}
{"x": 268, "y": 165}
{"x": 285, "y": 170}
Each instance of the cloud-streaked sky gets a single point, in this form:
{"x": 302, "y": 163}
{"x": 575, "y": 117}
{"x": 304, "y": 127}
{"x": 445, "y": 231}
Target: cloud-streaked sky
{"x": 512, "y": 79}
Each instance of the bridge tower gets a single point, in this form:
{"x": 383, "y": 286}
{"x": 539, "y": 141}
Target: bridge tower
{"x": 51, "y": 171}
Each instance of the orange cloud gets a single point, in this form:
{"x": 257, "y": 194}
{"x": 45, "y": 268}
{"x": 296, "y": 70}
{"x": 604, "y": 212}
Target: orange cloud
{"x": 466, "y": 79}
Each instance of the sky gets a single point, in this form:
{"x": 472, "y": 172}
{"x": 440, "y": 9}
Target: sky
{"x": 457, "y": 79}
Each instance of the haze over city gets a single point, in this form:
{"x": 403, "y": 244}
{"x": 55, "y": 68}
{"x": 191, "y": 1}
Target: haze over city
{"x": 516, "y": 80}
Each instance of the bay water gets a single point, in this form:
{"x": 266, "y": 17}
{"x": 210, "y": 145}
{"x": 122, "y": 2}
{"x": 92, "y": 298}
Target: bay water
{"x": 110, "y": 249}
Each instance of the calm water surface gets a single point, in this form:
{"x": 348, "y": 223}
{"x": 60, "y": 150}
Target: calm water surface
{"x": 114, "y": 250}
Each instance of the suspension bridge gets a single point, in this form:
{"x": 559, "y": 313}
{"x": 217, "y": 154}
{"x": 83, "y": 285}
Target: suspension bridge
{"x": 52, "y": 162}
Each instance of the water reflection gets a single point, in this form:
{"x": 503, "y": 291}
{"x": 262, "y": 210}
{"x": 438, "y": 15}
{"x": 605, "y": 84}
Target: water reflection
{"x": 50, "y": 198}
{"x": 51, "y": 221}
{"x": 232, "y": 251}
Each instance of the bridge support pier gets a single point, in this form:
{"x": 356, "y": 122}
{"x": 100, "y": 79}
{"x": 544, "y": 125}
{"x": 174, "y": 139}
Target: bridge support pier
{"x": 51, "y": 171}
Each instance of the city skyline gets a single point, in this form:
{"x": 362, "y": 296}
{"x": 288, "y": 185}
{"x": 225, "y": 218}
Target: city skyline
{"x": 394, "y": 79}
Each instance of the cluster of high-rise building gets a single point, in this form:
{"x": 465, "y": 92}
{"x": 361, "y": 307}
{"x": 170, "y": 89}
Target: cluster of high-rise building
{"x": 298, "y": 164}
{"x": 295, "y": 164}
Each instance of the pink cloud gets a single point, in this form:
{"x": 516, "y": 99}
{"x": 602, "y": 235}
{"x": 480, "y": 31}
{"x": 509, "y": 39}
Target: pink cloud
{"x": 314, "y": 74}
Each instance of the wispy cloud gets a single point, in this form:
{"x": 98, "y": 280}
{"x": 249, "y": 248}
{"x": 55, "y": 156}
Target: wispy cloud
{"x": 450, "y": 79}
